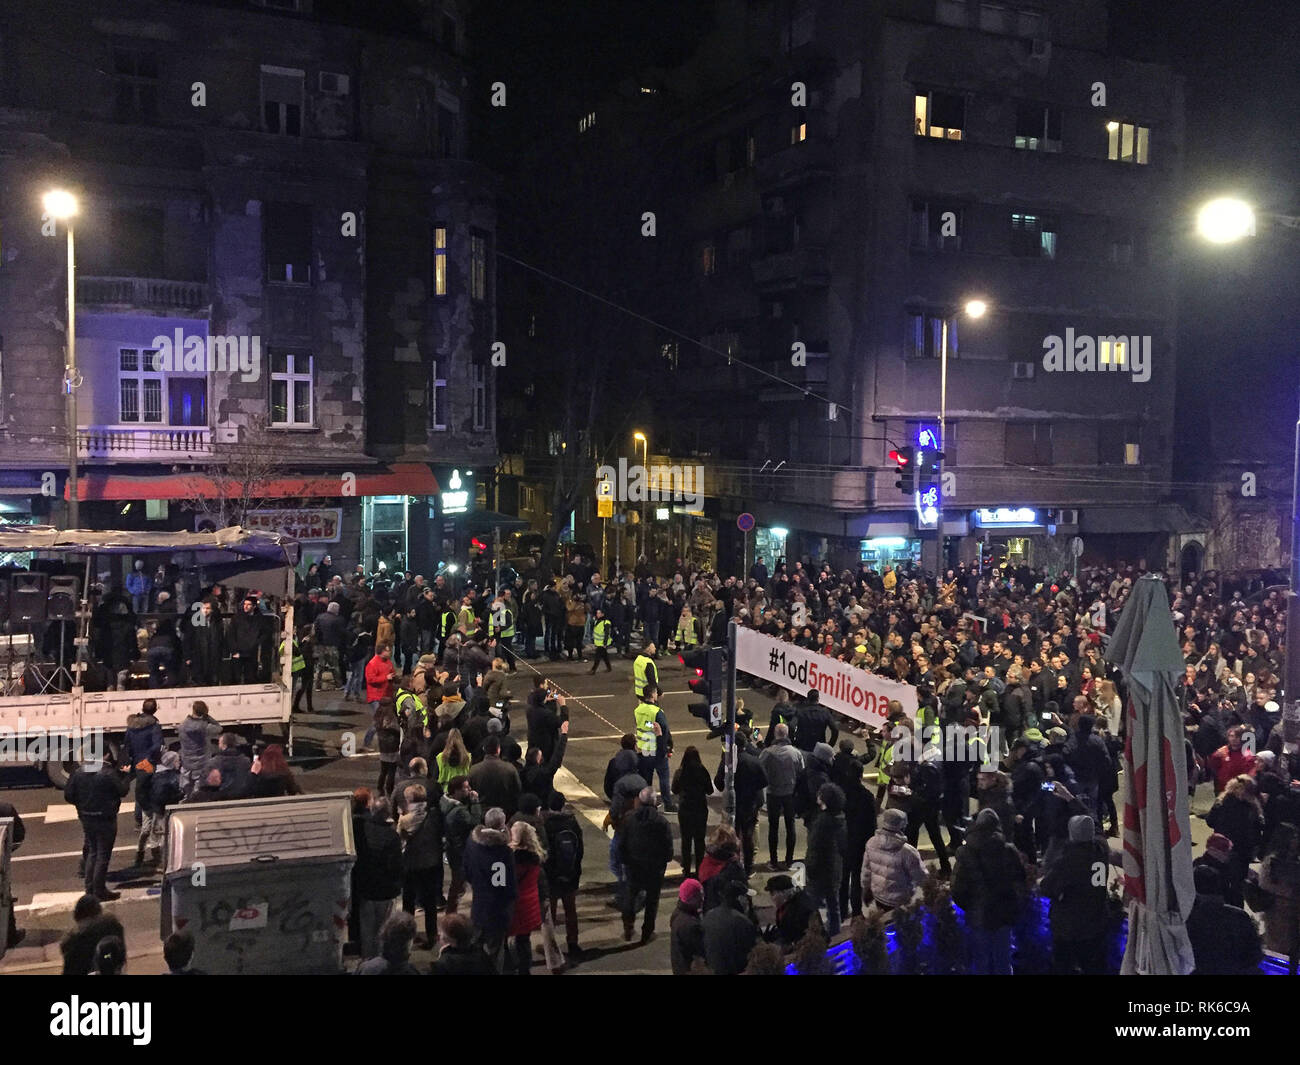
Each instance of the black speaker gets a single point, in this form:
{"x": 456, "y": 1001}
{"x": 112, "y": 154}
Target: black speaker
{"x": 61, "y": 603}
{"x": 27, "y": 598}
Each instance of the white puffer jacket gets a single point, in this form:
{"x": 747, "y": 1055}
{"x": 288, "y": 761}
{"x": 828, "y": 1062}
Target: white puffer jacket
{"x": 892, "y": 867}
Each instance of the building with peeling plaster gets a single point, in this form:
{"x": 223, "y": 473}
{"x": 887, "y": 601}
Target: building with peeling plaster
{"x": 268, "y": 175}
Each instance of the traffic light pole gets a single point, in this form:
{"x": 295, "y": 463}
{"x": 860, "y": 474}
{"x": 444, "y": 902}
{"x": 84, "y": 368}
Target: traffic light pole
{"x": 729, "y": 736}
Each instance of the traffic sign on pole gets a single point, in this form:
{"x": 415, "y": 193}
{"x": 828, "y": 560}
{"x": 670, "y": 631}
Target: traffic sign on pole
{"x": 745, "y": 522}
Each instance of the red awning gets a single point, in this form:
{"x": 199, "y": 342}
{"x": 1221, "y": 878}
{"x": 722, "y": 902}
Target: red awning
{"x": 401, "y": 478}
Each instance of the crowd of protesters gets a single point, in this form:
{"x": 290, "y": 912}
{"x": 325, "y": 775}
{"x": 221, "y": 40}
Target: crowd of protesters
{"x": 1011, "y": 763}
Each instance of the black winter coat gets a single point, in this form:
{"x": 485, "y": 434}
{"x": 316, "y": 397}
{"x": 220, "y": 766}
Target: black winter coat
{"x": 827, "y": 849}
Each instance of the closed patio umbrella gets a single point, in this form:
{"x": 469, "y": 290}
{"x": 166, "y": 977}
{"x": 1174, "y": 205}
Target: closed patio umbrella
{"x": 1157, "y": 833}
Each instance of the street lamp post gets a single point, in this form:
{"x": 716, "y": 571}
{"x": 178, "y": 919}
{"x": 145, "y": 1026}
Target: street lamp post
{"x": 1225, "y": 221}
{"x": 973, "y": 309}
{"x": 645, "y": 473}
{"x": 62, "y": 205}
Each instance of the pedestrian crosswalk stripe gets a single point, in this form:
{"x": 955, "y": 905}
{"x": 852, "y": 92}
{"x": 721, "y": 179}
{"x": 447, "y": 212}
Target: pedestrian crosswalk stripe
{"x": 67, "y": 812}
{"x": 66, "y": 901}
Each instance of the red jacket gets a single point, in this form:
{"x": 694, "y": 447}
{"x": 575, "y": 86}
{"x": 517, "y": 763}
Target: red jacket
{"x": 379, "y": 679}
{"x": 1225, "y": 765}
{"x": 710, "y": 867}
{"x": 528, "y": 904}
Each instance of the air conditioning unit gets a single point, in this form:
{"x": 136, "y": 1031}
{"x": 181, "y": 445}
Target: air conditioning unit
{"x": 1022, "y": 371}
{"x": 1040, "y": 49}
{"x": 226, "y": 434}
{"x": 1065, "y": 516}
{"x": 333, "y": 84}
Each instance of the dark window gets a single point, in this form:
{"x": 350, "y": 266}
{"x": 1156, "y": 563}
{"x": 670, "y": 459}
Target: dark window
{"x": 936, "y": 226}
{"x": 1028, "y": 444}
{"x": 134, "y": 245}
{"x": 924, "y": 337}
{"x": 187, "y": 401}
{"x": 1117, "y": 442}
{"x": 286, "y": 235}
{"x": 1038, "y": 128}
{"x": 478, "y": 266}
{"x": 282, "y": 92}
{"x": 135, "y": 83}
{"x": 448, "y": 32}
{"x": 447, "y": 140}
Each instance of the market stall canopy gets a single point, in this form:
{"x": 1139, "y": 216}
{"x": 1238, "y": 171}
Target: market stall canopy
{"x": 279, "y": 550}
{"x": 400, "y": 478}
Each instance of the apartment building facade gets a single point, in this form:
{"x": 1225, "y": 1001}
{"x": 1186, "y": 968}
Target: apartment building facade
{"x": 837, "y": 179}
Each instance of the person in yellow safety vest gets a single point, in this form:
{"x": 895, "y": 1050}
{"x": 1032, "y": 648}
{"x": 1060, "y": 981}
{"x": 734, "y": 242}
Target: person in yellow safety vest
{"x": 501, "y": 627}
{"x": 298, "y": 669}
{"x": 412, "y": 712}
{"x": 894, "y": 754}
{"x": 602, "y": 635}
{"x": 466, "y": 620}
{"x": 688, "y": 630}
{"x": 654, "y": 743}
{"x": 644, "y": 672}
{"x": 446, "y": 626}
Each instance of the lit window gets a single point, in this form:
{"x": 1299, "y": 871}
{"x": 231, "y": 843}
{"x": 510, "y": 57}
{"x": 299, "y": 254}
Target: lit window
{"x": 438, "y": 406}
{"x": 1112, "y": 352}
{"x": 291, "y": 389}
{"x": 140, "y": 387}
{"x": 940, "y": 114}
{"x": 709, "y": 260}
{"x": 478, "y": 387}
{"x": 1033, "y": 236}
{"x": 1127, "y": 143}
{"x": 478, "y": 266}
{"x": 586, "y": 122}
{"x": 668, "y": 351}
{"x": 799, "y": 133}
{"x": 282, "y": 93}
{"x": 440, "y": 261}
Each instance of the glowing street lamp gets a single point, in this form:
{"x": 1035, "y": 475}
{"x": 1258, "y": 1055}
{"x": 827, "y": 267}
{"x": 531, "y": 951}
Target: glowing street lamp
{"x": 641, "y": 439}
{"x": 60, "y": 204}
{"x": 1225, "y": 220}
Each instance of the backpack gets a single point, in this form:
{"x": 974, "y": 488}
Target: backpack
{"x": 928, "y": 783}
{"x": 565, "y": 863}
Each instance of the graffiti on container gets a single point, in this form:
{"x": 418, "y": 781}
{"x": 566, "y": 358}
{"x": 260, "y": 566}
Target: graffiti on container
{"x": 238, "y": 922}
{"x": 252, "y": 839}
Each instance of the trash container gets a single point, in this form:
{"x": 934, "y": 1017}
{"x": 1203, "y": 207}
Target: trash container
{"x": 6, "y": 881}
{"x": 262, "y": 884}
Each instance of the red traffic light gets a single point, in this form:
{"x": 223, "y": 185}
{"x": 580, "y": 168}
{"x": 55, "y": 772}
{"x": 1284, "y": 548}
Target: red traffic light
{"x": 699, "y": 672}
{"x": 899, "y": 457}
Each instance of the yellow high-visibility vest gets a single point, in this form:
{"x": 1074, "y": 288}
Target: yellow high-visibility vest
{"x": 646, "y": 741}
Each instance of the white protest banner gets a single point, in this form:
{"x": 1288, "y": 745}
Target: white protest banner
{"x": 844, "y": 688}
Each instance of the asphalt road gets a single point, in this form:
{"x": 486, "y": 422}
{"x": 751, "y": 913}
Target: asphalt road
{"x": 44, "y": 869}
